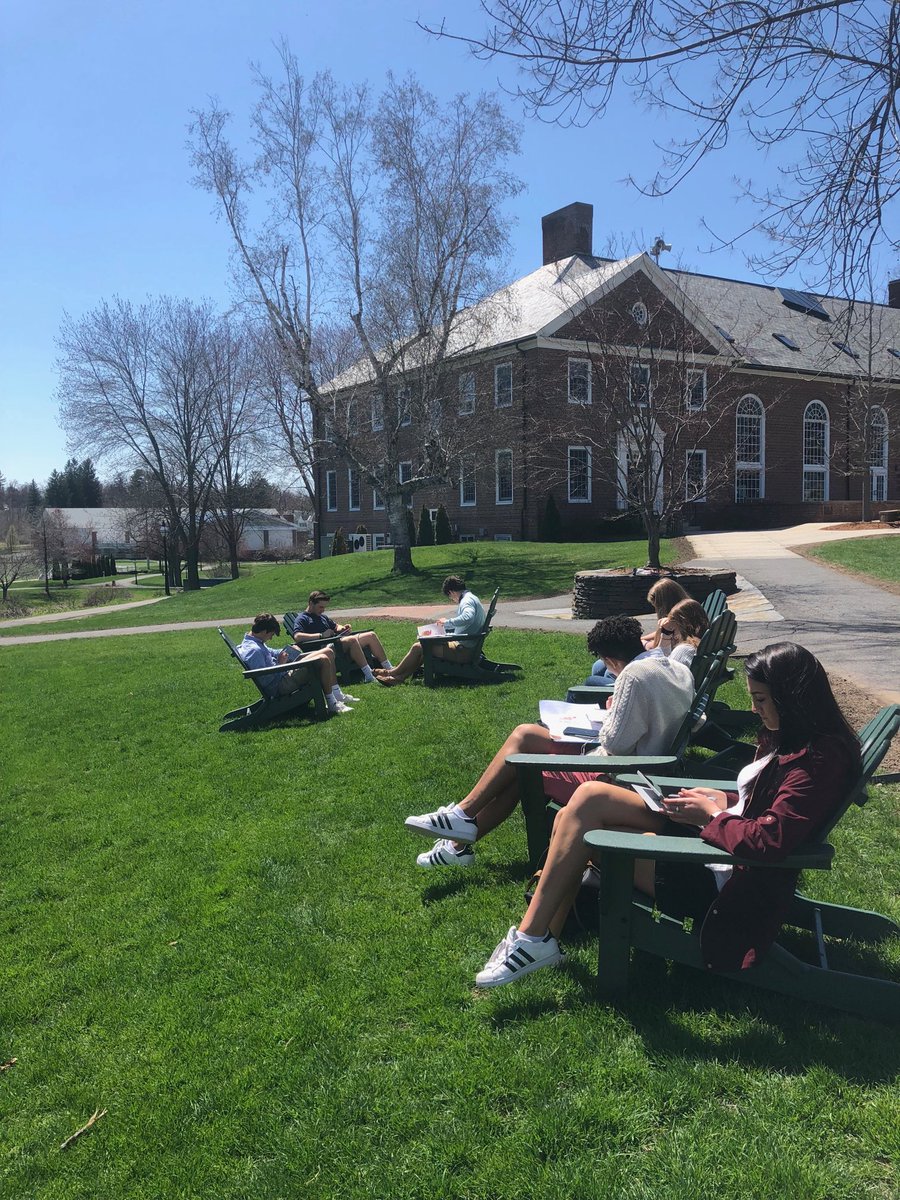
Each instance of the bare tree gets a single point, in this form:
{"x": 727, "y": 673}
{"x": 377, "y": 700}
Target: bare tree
{"x": 15, "y": 560}
{"x": 645, "y": 398}
{"x": 814, "y": 81}
{"x": 138, "y": 387}
{"x": 384, "y": 221}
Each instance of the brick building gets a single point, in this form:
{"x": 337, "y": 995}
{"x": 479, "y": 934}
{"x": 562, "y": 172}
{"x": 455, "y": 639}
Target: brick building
{"x": 767, "y": 406}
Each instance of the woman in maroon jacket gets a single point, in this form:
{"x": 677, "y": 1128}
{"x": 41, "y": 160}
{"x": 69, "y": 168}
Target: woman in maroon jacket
{"x": 807, "y": 760}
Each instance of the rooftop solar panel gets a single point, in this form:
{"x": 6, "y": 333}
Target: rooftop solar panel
{"x": 804, "y": 302}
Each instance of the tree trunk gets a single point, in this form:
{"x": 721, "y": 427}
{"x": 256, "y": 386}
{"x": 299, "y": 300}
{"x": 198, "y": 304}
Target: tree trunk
{"x": 651, "y": 524}
{"x": 192, "y": 562}
{"x": 233, "y": 558}
{"x": 396, "y": 514}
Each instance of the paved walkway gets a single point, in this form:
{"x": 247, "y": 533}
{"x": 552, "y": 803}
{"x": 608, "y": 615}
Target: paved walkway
{"x": 853, "y": 627}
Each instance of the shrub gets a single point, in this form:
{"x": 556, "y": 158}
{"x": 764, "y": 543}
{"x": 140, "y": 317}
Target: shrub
{"x": 425, "y": 535}
{"x": 550, "y": 523}
{"x": 410, "y": 526}
{"x": 339, "y": 543}
{"x": 443, "y": 534}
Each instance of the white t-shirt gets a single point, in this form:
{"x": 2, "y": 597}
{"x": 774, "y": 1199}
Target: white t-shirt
{"x": 744, "y": 781}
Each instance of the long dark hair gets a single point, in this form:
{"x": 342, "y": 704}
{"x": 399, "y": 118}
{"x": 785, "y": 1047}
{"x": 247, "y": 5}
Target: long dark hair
{"x": 803, "y": 697}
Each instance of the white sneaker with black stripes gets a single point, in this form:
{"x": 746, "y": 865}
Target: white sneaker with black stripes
{"x": 445, "y": 854}
{"x": 516, "y": 956}
{"x": 444, "y": 824}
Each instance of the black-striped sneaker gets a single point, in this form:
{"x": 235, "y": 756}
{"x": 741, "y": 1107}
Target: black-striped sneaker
{"x": 515, "y": 957}
{"x": 444, "y": 824}
{"x": 444, "y": 854}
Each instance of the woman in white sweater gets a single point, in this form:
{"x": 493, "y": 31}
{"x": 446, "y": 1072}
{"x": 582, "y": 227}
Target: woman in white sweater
{"x": 650, "y": 699}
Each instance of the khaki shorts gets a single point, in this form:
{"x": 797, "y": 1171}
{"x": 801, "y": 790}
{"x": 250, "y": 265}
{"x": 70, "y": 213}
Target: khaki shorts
{"x": 455, "y": 652}
{"x": 293, "y": 681}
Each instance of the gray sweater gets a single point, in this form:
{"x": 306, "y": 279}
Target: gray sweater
{"x": 650, "y": 700}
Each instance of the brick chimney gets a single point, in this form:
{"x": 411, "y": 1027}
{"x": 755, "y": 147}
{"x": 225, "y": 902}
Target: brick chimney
{"x": 894, "y": 293}
{"x": 569, "y": 231}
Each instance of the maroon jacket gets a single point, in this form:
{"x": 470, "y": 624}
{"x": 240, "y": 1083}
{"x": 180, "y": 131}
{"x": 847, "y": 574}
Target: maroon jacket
{"x": 792, "y": 798}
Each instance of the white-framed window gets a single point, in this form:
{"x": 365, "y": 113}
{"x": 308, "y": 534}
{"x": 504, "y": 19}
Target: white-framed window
{"x": 695, "y": 391}
{"x": 580, "y": 381}
{"x": 404, "y": 406}
{"x": 467, "y": 393}
{"x": 639, "y": 313}
{"x": 749, "y": 450}
{"x": 432, "y": 515}
{"x": 377, "y": 500}
{"x": 695, "y": 476}
{"x": 467, "y": 537}
{"x": 503, "y": 387}
{"x": 331, "y": 491}
{"x": 377, "y": 414}
{"x": 503, "y": 461}
{"x": 877, "y": 454}
{"x": 467, "y": 490}
{"x": 405, "y": 474}
{"x": 638, "y": 384}
{"x": 353, "y": 491}
{"x": 579, "y": 474}
{"x": 815, "y": 451}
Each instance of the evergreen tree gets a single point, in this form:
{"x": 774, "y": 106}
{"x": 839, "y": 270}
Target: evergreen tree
{"x": 361, "y": 529}
{"x": 411, "y": 526}
{"x": 85, "y": 491}
{"x": 56, "y": 493}
{"x": 339, "y": 543}
{"x": 425, "y": 536}
{"x": 443, "y": 534}
{"x": 550, "y": 523}
{"x": 35, "y": 500}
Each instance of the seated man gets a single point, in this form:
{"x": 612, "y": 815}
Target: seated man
{"x": 255, "y": 654}
{"x": 312, "y": 625}
{"x": 651, "y": 697}
{"x": 469, "y": 618}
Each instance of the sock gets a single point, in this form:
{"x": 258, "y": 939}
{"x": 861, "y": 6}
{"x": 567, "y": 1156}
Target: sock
{"x": 336, "y": 694}
{"x": 458, "y": 812}
{"x": 387, "y": 664}
{"x": 368, "y": 677}
{"x": 530, "y": 937}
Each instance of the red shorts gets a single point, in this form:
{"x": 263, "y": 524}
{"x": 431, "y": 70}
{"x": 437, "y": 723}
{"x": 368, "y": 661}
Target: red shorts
{"x": 561, "y": 785}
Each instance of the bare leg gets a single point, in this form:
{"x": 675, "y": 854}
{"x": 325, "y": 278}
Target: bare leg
{"x": 593, "y": 806}
{"x": 355, "y": 650}
{"x": 372, "y": 643}
{"x": 409, "y": 664}
{"x": 499, "y": 778}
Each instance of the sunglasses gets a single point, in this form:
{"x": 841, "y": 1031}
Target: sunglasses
{"x": 668, "y": 632}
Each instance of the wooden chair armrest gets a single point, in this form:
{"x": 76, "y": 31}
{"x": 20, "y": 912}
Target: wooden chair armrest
{"x": 593, "y": 763}
{"x": 673, "y": 783}
{"x": 816, "y": 856}
{"x": 588, "y": 695}
{"x": 288, "y": 666}
{"x": 444, "y": 639}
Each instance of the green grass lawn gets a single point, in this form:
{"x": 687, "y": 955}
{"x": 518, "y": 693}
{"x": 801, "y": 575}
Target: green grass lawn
{"x": 223, "y": 941}
{"x": 518, "y": 568}
{"x": 877, "y": 557}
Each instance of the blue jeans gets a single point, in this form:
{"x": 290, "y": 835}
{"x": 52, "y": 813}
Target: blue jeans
{"x": 599, "y": 676}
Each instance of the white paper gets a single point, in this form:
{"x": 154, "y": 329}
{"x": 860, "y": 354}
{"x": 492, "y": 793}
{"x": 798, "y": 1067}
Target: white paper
{"x": 647, "y": 797}
{"x": 557, "y": 715}
{"x": 431, "y": 631}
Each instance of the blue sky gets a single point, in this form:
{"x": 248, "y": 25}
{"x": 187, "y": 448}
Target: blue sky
{"x": 97, "y": 201}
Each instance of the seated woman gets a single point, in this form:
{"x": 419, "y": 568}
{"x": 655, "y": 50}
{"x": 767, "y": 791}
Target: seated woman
{"x": 662, "y": 597}
{"x": 681, "y": 631}
{"x": 807, "y": 759}
{"x": 651, "y": 698}
{"x": 469, "y": 618}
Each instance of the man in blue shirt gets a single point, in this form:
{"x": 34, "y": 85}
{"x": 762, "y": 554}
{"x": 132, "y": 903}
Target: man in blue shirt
{"x": 255, "y": 654}
{"x": 312, "y": 624}
{"x": 469, "y": 618}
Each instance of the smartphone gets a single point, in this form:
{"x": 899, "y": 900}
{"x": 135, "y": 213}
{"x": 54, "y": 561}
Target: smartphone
{"x": 653, "y": 790}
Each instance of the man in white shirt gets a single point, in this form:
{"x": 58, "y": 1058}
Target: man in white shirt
{"x": 650, "y": 699}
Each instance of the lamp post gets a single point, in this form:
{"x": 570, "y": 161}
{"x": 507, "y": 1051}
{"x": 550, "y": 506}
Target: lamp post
{"x": 163, "y": 529}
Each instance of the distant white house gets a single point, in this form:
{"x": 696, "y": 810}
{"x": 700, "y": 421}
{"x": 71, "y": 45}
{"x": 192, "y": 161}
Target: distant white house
{"x": 266, "y": 529}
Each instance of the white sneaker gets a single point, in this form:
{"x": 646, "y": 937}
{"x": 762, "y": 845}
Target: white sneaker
{"x": 339, "y": 708}
{"x": 347, "y": 698}
{"x": 444, "y": 824}
{"x": 444, "y": 854}
{"x": 515, "y": 957}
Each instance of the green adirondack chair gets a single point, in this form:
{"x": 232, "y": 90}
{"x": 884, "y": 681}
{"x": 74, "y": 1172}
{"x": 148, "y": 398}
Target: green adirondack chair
{"x": 480, "y": 670}
{"x": 628, "y": 921}
{"x": 347, "y": 670}
{"x": 715, "y": 604}
{"x": 273, "y": 708}
{"x": 539, "y": 812}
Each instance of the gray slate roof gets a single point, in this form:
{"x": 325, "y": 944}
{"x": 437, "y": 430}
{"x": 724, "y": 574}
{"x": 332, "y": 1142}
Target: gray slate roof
{"x": 537, "y": 305}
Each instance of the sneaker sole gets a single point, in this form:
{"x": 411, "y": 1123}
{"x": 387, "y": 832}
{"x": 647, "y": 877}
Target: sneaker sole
{"x": 466, "y": 836}
{"x": 529, "y": 969}
{"x": 467, "y": 861}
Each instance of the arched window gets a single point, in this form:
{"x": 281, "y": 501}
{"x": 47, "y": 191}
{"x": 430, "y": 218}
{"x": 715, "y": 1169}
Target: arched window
{"x": 877, "y": 453}
{"x": 815, "y": 451}
{"x": 750, "y": 450}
